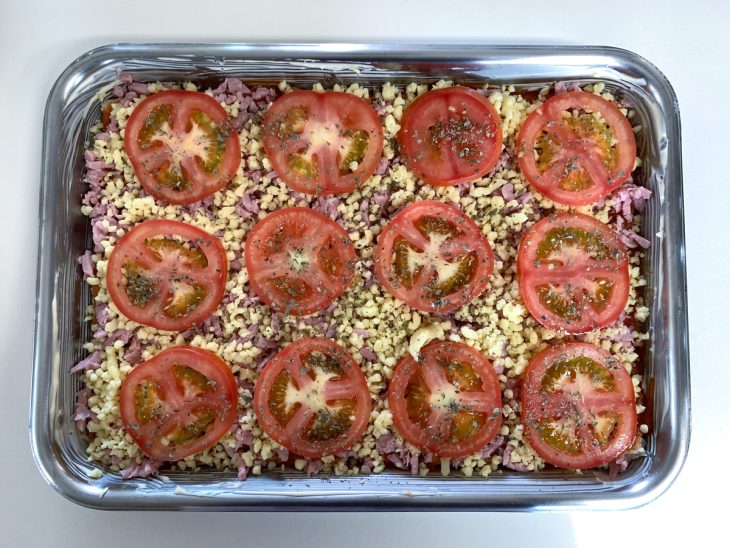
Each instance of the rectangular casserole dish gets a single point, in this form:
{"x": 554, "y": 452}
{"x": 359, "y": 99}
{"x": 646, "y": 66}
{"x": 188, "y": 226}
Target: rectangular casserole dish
{"x": 62, "y": 295}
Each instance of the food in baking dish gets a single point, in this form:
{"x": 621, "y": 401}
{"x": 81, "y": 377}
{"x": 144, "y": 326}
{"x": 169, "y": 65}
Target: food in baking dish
{"x": 358, "y": 312}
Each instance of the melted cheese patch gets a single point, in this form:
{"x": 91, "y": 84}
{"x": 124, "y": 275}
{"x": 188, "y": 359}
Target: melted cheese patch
{"x": 299, "y": 261}
{"x": 565, "y": 428}
{"x": 323, "y": 136}
{"x": 181, "y": 291}
{"x": 196, "y": 142}
{"x": 311, "y": 396}
{"x": 444, "y": 269}
{"x": 446, "y": 398}
{"x": 424, "y": 335}
{"x": 581, "y": 385}
{"x": 603, "y": 425}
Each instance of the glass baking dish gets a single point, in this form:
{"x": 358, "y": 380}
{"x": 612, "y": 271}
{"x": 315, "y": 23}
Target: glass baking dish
{"x": 62, "y": 295}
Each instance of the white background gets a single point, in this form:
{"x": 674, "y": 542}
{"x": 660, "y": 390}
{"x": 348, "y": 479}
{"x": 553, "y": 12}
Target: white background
{"x": 688, "y": 41}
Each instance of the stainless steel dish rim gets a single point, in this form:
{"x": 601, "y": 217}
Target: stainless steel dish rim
{"x": 178, "y": 493}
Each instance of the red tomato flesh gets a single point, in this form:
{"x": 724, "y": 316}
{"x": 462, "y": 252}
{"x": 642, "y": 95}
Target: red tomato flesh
{"x": 451, "y": 136}
{"x": 578, "y": 406}
{"x": 448, "y": 402}
{"x": 433, "y": 257}
{"x": 178, "y": 403}
{"x": 181, "y": 146}
{"x": 167, "y": 274}
{"x": 323, "y": 143}
{"x": 298, "y": 260}
{"x": 312, "y": 398}
{"x": 573, "y": 273}
{"x": 576, "y": 148}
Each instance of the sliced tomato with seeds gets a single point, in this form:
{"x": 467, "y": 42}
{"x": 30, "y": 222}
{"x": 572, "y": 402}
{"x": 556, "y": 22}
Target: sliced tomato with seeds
{"x": 578, "y": 406}
{"x": 573, "y": 273}
{"x": 167, "y": 274}
{"x": 312, "y": 398}
{"x": 323, "y": 143}
{"x": 178, "y": 403}
{"x": 448, "y": 402}
{"x": 181, "y": 145}
{"x": 576, "y": 148}
{"x": 433, "y": 257}
{"x": 450, "y": 136}
{"x": 298, "y": 260}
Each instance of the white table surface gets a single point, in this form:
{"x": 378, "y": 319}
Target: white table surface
{"x": 688, "y": 41}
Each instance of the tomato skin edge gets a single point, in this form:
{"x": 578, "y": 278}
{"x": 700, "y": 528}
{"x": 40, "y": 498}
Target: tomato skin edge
{"x": 225, "y": 421}
{"x": 531, "y": 394}
{"x": 384, "y": 250}
{"x": 407, "y": 367}
{"x": 348, "y": 260}
{"x": 526, "y": 274}
{"x": 177, "y": 98}
{"x": 121, "y": 300}
{"x": 339, "y": 185}
{"x": 533, "y": 125}
{"x": 489, "y": 164}
{"x": 270, "y": 425}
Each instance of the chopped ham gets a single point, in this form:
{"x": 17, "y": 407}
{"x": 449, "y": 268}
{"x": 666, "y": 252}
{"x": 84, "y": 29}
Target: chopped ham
{"x": 134, "y": 352}
{"x": 148, "y": 467}
{"x": 82, "y": 413}
{"x": 313, "y": 467}
{"x": 368, "y": 354}
{"x": 91, "y": 362}
{"x": 87, "y": 266}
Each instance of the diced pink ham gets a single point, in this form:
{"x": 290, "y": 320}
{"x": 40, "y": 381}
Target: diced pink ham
{"x": 386, "y": 443}
{"x": 631, "y": 239}
{"x": 506, "y": 455}
{"x": 82, "y": 413}
{"x": 148, "y": 467}
{"x": 87, "y": 265}
{"x": 564, "y": 87}
{"x": 313, "y": 467}
{"x": 365, "y": 211}
{"x": 243, "y": 437}
{"x": 139, "y": 88}
{"x": 508, "y": 191}
{"x": 368, "y": 354}
{"x": 367, "y": 465}
{"x": 382, "y": 168}
{"x": 492, "y": 447}
{"x": 134, "y": 352}
{"x": 91, "y": 362}
{"x": 242, "y": 470}
{"x": 381, "y": 198}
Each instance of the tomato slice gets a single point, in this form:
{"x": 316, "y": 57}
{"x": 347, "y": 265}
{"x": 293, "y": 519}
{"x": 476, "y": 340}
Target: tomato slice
{"x": 578, "y": 406}
{"x": 181, "y": 146}
{"x": 312, "y": 398}
{"x": 433, "y": 257}
{"x": 450, "y": 136}
{"x": 298, "y": 260}
{"x": 167, "y": 274}
{"x": 323, "y": 143}
{"x": 448, "y": 402}
{"x": 573, "y": 273}
{"x": 178, "y": 403}
{"x": 576, "y": 148}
